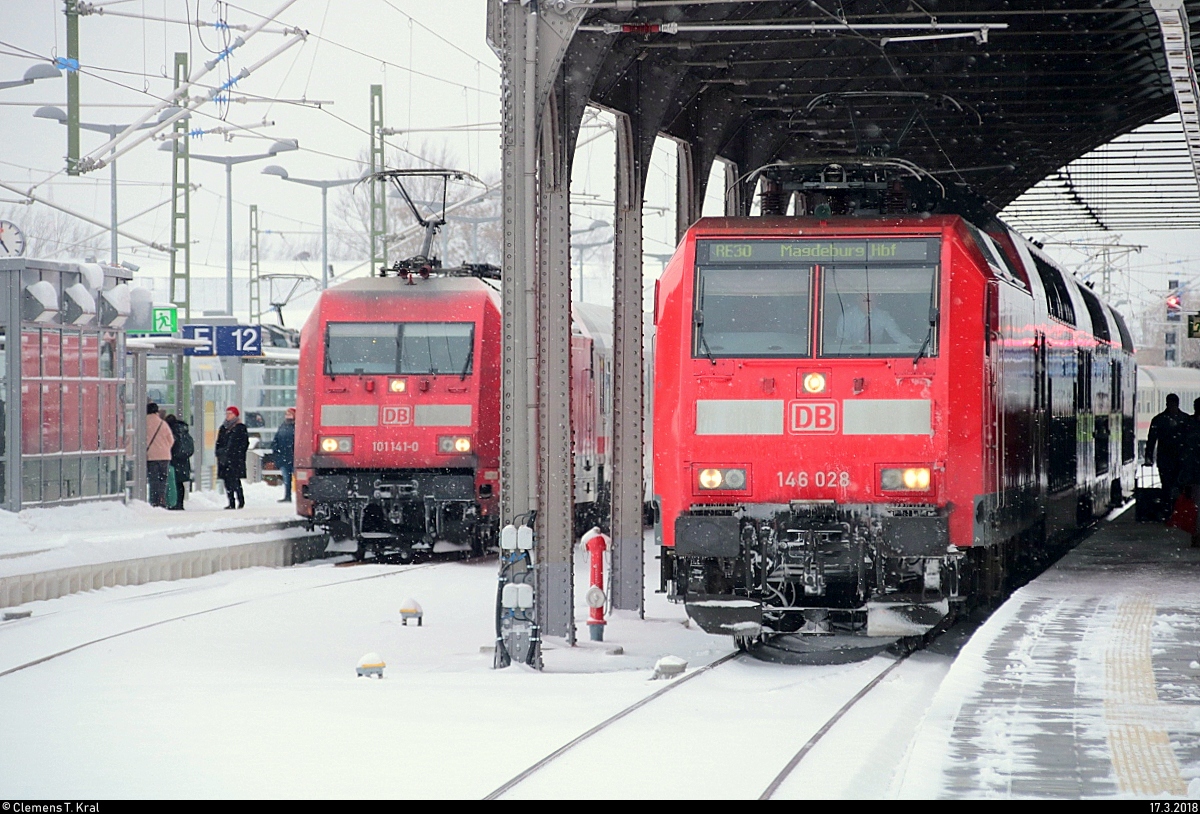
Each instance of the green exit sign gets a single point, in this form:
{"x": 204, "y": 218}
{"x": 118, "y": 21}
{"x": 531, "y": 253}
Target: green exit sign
{"x": 164, "y": 320}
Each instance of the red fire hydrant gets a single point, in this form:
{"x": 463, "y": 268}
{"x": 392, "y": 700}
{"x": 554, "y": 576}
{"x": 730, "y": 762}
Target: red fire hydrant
{"x": 596, "y": 543}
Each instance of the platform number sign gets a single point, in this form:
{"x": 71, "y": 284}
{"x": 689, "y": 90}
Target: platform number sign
{"x": 224, "y": 340}
{"x": 1193, "y": 326}
{"x": 239, "y": 340}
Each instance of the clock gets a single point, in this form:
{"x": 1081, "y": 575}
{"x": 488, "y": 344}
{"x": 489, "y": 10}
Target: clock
{"x": 12, "y": 240}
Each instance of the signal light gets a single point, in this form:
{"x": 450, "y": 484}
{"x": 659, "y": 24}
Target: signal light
{"x": 814, "y": 383}
{"x": 911, "y": 479}
{"x": 1174, "y": 307}
{"x": 454, "y": 444}
{"x": 727, "y": 479}
{"x": 336, "y": 444}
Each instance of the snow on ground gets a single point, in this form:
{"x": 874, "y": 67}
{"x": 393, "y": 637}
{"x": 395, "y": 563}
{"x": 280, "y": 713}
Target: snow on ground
{"x": 257, "y": 696}
{"x": 36, "y": 540}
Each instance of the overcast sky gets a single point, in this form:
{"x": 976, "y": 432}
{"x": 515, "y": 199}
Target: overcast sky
{"x": 437, "y": 71}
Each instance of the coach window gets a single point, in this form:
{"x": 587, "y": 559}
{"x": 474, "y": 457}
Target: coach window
{"x": 745, "y": 311}
{"x": 432, "y": 348}
{"x": 362, "y": 348}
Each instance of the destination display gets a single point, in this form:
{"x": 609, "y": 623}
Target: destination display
{"x": 736, "y": 252}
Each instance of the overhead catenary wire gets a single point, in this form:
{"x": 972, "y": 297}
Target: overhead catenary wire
{"x": 182, "y": 91}
{"x": 35, "y": 199}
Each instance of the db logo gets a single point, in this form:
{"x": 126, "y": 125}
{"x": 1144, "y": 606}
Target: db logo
{"x": 397, "y": 415}
{"x": 814, "y": 416}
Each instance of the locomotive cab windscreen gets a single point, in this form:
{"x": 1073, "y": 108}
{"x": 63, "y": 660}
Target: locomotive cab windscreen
{"x": 877, "y": 298}
{"x": 406, "y": 348}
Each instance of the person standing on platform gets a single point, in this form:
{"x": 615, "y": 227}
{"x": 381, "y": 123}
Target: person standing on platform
{"x": 1188, "y": 478}
{"x": 1166, "y": 438}
{"x": 232, "y": 443}
{"x": 181, "y": 458}
{"x": 283, "y": 450}
{"x": 158, "y": 455}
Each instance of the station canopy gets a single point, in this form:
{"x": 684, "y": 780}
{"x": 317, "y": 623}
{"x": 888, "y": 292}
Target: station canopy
{"x": 1066, "y": 110}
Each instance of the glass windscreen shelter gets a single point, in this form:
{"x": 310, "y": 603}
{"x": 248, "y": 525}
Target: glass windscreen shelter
{"x": 63, "y": 382}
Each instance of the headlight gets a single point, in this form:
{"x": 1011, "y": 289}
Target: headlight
{"x": 454, "y": 444}
{"x": 336, "y": 444}
{"x": 912, "y": 479}
{"x": 814, "y": 383}
{"x": 728, "y": 479}
{"x": 397, "y": 385}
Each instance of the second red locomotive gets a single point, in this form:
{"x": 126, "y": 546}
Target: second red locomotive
{"x": 398, "y": 413}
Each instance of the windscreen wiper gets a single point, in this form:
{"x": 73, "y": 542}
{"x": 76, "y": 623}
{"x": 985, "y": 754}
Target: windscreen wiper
{"x": 467, "y": 366}
{"x": 933, "y": 316}
{"x": 699, "y": 320}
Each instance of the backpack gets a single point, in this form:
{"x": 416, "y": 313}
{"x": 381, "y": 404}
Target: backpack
{"x": 187, "y": 447}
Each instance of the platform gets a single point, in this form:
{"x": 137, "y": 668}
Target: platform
{"x": 1086, "y": 683}
{"x": 51, "y": 552}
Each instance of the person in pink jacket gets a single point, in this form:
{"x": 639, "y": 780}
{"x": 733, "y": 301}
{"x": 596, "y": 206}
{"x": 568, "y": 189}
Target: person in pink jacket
{"x": 159, "y": 440}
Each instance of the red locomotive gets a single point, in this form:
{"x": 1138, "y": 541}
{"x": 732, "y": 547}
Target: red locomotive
{"x": 867, "y": 412}
{"x": 398, "y": 403}
{"x": 398, "y": 419}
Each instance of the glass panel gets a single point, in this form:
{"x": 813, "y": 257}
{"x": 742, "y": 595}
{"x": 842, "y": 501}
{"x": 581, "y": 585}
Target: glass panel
{"x": 51, "y": 417}
{"x": 51, "y": 352}
{"x": 90, "y": 418}
{"x": 90, "y": 477}
{"x": 31, "y": 353}
{"x": 51, "y": 479}
{"x": 361, "y": 348}
{"x": 31, "y": 417}
{"x": 753, "y": 312}
{"x": 91, "y": 355}
{"x": 31, "y": 480}
{"x": 71, "y": 430}
{"x": 436, "y": 347}
{"x": 870, "y": 311}
{"x": 70, "y": 478}
{"x": 109, "y": 417}
{"x": 108, "y": 355}
{"x": 70, "y": 353}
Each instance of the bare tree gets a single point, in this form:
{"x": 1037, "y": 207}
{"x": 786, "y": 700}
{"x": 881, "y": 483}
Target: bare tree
{"x": 51, "y": 234}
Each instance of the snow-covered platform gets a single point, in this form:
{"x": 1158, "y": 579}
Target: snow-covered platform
{"x": 45, "y": 553}
{"x": 1086, "y": 683}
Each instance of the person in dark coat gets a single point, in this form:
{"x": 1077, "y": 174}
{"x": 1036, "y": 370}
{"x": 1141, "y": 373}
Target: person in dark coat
{"x": 181, "y": 458}
{"x": 283, "y": 449}
{"x": 1188, "y": 481}
{"x": 1166, "y": 438}
{"x": 232, "y": 443}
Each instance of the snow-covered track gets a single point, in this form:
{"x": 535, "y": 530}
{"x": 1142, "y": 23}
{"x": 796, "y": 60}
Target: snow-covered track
{"x": 634, "y": 707}
{"x": 98, "y": 640}
{"x": 820, "y": 733}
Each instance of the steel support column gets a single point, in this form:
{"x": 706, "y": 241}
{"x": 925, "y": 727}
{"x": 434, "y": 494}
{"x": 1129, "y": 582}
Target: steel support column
{"x": 535, "y": 399}
{"x": 627, "y": 481}
{"x": 181, "y": 211}
{"x": 376, "y": 187}
{"x": 555, "y": 520}
{"x": 688, "y": 203}
{"x": 733, "y": 192}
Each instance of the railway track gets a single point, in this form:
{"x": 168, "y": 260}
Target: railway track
{"x": 778, "y": 780}
{"x": 600, "y": 727}
{"x": 331, "y": 584}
